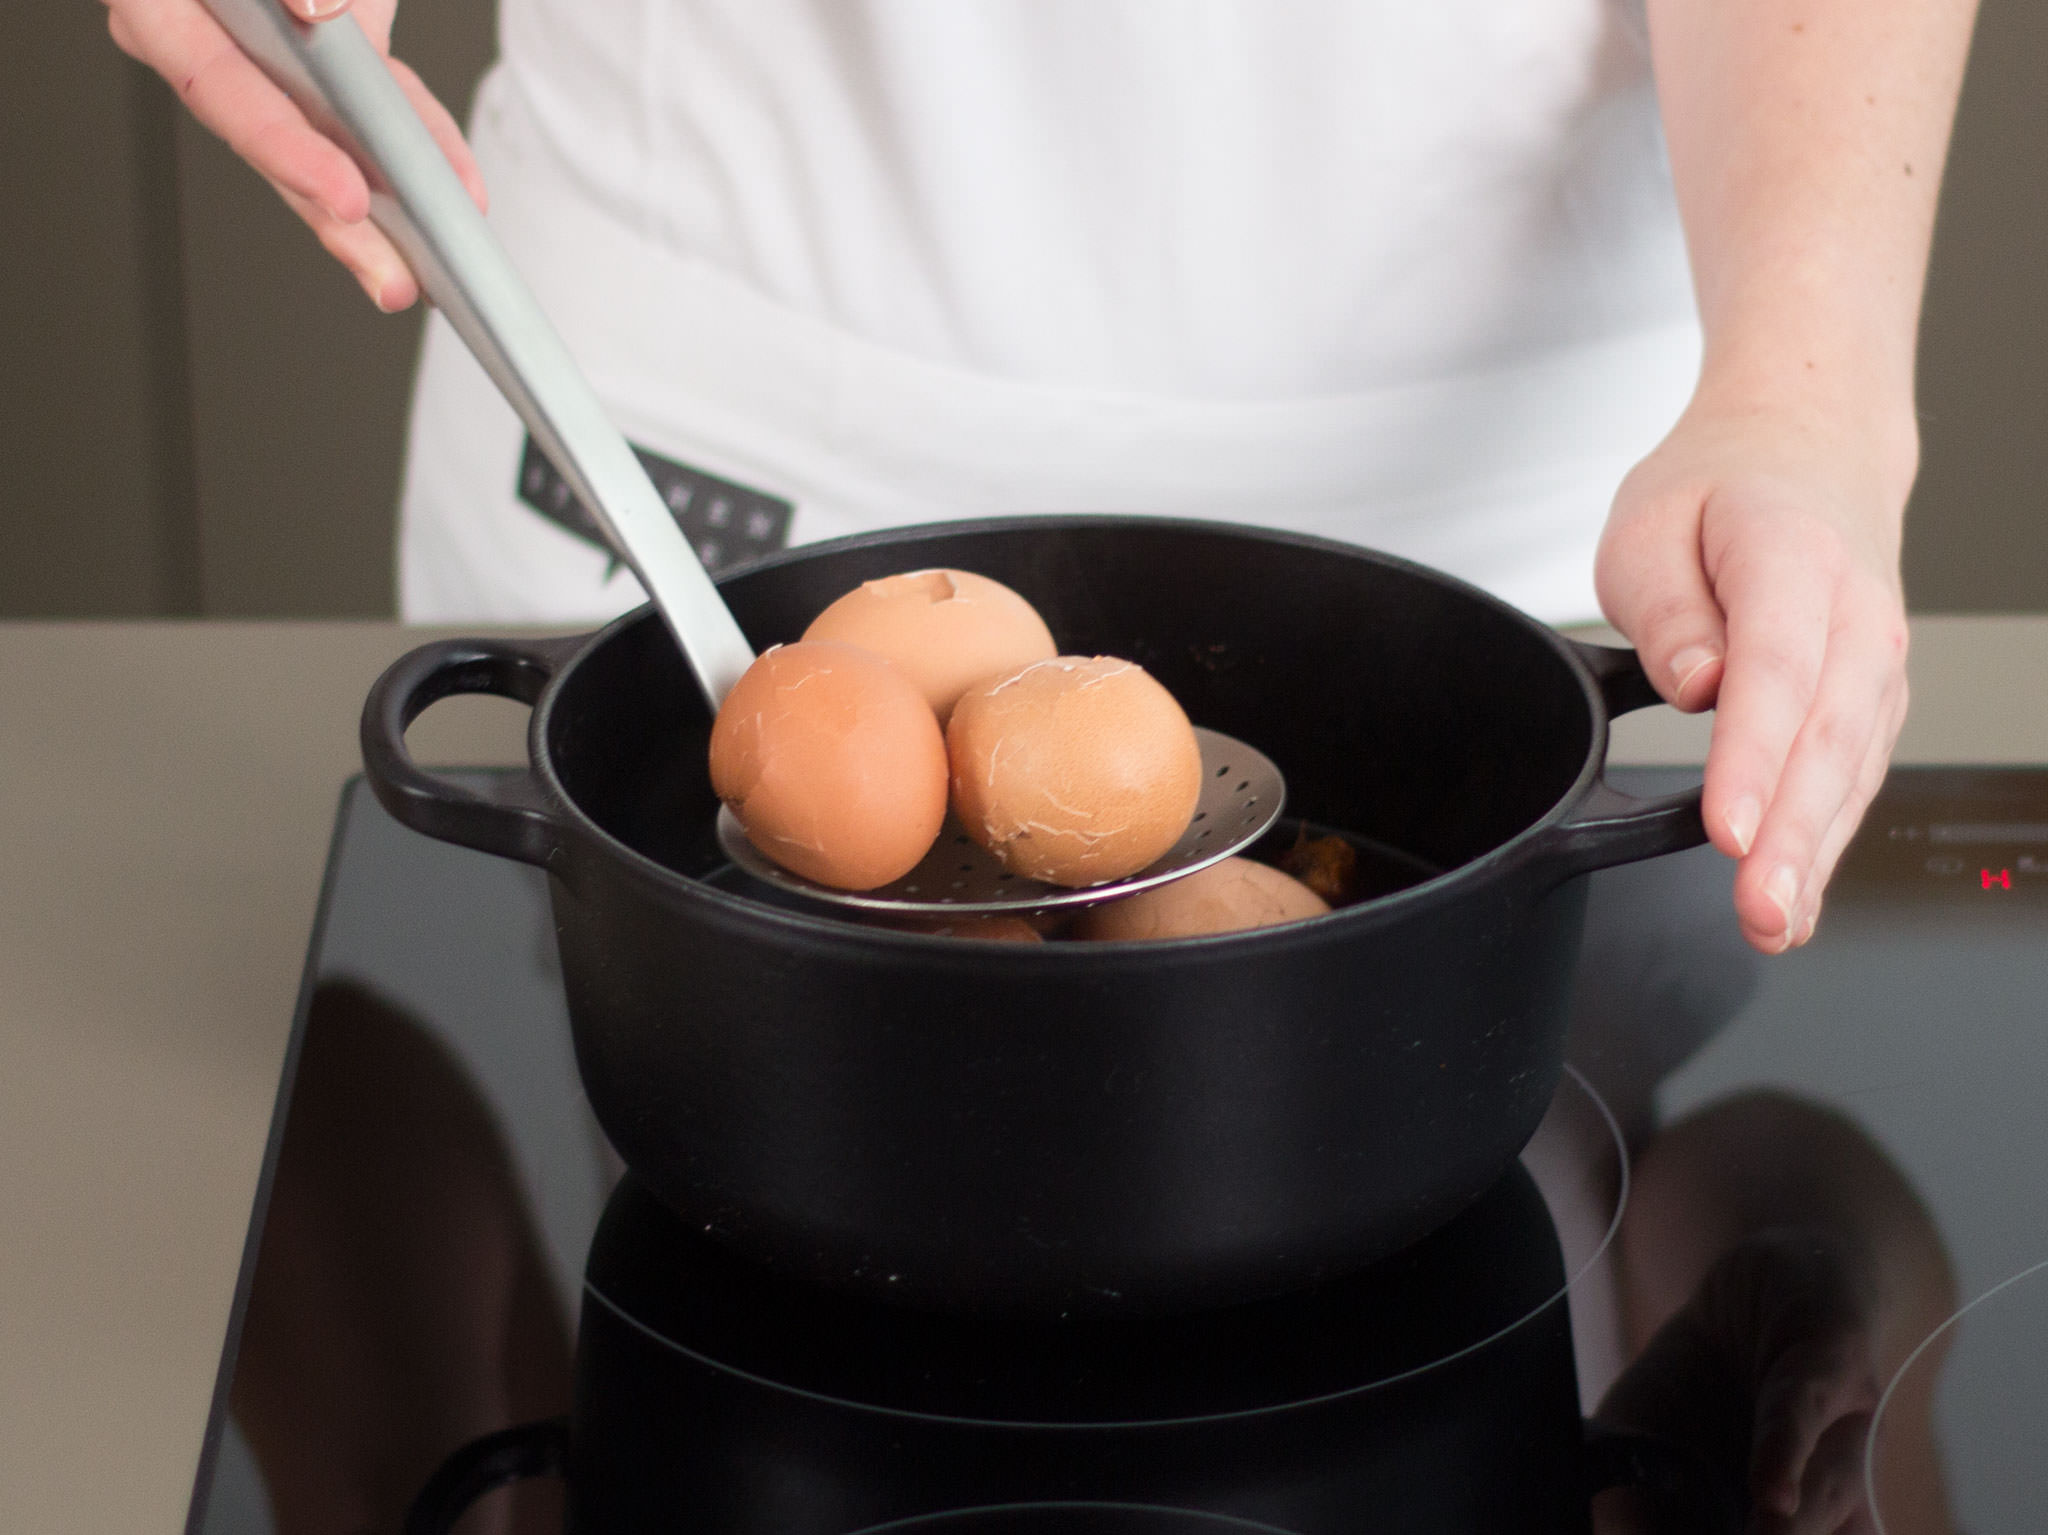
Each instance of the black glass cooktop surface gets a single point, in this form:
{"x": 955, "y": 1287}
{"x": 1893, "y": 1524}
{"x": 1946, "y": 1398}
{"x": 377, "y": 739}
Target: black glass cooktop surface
{"x": 1889, "y": 1078}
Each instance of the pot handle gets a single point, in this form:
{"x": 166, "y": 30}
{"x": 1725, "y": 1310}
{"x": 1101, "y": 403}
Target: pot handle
{"x": 509, "y": 817}
{"x": 1675, "y": 1476}
{"x": 1607, "y": 826}
{"x": 484, "y": 1465}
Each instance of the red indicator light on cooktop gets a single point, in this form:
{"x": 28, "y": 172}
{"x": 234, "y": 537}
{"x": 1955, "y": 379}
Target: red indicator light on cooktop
{"x": 2002, "y": 880}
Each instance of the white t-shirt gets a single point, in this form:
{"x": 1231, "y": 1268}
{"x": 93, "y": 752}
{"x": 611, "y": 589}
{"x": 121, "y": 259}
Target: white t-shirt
{"x": 1408, "y": 274}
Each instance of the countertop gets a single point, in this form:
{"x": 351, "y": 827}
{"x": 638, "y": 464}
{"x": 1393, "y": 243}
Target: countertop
{"x": 167, "y": 791}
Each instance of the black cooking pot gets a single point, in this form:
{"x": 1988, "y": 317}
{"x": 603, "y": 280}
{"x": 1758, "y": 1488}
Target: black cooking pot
{"x": 1434, "y": 1394}
{"x": 1080, "y": 1127}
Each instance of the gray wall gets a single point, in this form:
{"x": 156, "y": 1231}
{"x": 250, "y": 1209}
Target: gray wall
{"x": 1977, "y": 532}
{"x": 97, "y": 514}
{"x": 202, "y": 414}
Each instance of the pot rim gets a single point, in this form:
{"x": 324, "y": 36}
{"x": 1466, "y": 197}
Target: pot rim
{"x": 1400, "y": 904}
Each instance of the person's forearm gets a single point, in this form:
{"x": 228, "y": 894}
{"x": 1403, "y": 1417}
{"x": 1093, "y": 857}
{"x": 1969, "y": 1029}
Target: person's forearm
{"x": 1806, "y": 141}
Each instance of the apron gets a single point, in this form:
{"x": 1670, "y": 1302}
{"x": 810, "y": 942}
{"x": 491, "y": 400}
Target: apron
{"x": 768, "y": 416}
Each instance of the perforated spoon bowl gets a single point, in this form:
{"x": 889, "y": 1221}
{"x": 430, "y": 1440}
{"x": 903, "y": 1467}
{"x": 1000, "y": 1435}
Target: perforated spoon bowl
{"x": 334, "y": 74}
{"x": 1242, "y": 796}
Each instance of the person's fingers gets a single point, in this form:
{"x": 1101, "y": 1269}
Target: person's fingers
{"x": 365, "y": 250}
{"x": 1847, "y": 709}
{"x": 227, "y": 92}
{"x": 1829, "y": 1498}
{"x": 1868, "y": 781}
{"x": 124, "y": 36}
{"x": 1653, "y": 588}
{"x": 374, "y": 17}
{"x": 1800, "y": 1409}
{"x": 1778, "y": 622}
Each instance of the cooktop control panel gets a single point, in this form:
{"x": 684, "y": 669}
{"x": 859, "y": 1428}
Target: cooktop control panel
{"x": 1955, "y": 835}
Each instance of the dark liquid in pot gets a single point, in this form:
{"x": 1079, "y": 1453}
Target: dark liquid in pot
{"x": 1376, "y": 869}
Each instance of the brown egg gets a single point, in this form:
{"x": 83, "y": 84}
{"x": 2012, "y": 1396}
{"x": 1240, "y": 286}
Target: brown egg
{"x": 947, "y": 629}
{"x": 1226, "y": 897}
{"x": 833, "y": 762}
{"x": 1074, "y": 771}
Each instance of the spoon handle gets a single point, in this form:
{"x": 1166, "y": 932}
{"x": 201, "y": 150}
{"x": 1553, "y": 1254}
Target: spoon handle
{"x": 342, "y": 85}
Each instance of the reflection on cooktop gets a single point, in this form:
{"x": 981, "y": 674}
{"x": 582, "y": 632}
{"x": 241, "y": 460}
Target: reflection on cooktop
{"x": 1994, "y": 1347}
{"x": 1898, "y": 1064}
{"x": 1487, "y": 1272}
{"x": 1917, "y": 1014}
{"x": 1435, "y": 1392}
{"x": 1072, "y": 1519}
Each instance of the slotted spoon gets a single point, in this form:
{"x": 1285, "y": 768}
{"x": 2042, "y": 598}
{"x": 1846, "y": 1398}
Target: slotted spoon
{"x": 342, "y": 85}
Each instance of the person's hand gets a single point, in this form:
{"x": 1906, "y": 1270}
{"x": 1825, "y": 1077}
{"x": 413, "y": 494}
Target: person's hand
{"x": 1753, "y": 560}
{"x": 1769, "y": 1374}
{"x": 228, "y": 92}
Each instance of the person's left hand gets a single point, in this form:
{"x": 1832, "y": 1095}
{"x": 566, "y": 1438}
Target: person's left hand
{"x": 1753, "y": 561}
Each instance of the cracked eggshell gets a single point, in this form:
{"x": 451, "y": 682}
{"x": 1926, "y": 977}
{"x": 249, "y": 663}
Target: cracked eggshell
{"x": 1227, "y": 897}
{"x": 1075, "y": 770}
{"x": 833, "y": 762}
{"x": 946, "y": 629}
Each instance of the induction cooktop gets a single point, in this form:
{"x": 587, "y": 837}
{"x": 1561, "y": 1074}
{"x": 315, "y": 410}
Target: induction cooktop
{"x": 1916, "y": 1013}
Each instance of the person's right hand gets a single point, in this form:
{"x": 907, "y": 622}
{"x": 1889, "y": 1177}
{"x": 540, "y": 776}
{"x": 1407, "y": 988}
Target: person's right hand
{"x": 228, "y": 92}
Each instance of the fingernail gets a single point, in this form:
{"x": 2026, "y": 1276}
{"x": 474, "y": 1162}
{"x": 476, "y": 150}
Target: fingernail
{"x": 1781, "y": 886}
{"x": 1812, "y": 922}
{"x": 391, "y": 286}
{"x": 316, "y": 10}
{"x": 1689, "y": 663}
{"x": 1741, "y": 822}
